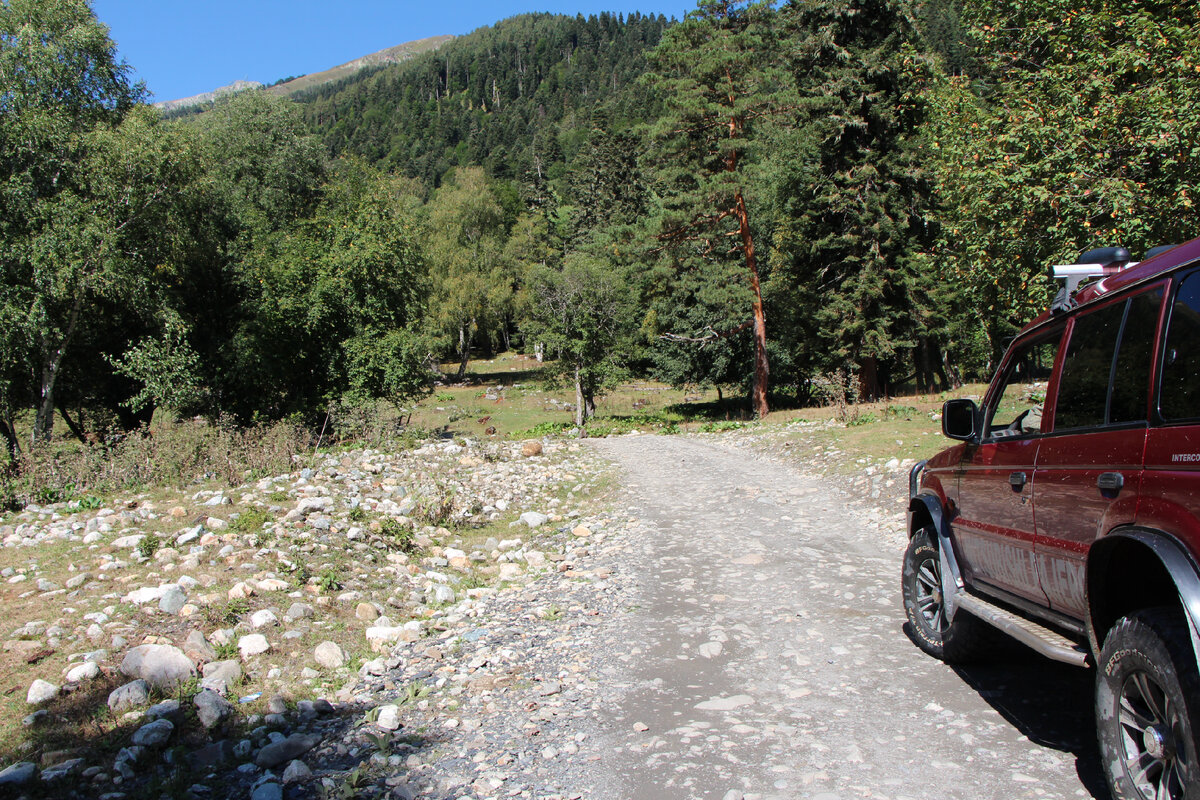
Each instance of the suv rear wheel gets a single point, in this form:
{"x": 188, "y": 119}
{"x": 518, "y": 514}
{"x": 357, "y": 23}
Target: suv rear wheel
{"x": 1147, "y": 700}
{"x": 955, "y": 641}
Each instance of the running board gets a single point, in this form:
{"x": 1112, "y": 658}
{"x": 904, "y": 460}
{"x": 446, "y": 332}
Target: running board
{"x": 1042, "y": 639}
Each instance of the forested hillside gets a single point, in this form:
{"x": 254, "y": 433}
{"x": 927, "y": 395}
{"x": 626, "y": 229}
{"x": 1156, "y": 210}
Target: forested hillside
{"x": 793, "y": 203}
{"x": 497, "y": 97}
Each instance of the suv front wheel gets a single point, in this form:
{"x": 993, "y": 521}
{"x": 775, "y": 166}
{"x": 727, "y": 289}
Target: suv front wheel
{"x": 955, "y": 641}
{"x": 1147, "y": 698}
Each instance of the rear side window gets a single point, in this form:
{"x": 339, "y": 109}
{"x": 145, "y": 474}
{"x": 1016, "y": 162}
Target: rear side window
{"x": 1179, "y": 396}
{"x": 1106, "y": 370}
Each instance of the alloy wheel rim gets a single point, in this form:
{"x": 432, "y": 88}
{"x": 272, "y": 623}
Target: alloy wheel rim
{"x": 929, "y": 594}
{"x": 1150, "y": 739}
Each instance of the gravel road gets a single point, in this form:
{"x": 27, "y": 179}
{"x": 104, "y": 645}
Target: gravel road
{"x": 762, "y": 655}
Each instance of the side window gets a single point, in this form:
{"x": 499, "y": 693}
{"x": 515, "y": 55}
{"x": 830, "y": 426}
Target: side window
{"x": 1018, "y": 408}
{"x": 1179, "y": 396}
{"x": 1106, "y": 369}
{"x": 1131, "y": 375}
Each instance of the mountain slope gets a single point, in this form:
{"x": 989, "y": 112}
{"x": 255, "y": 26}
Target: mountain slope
{"x": 516, "y": 97}
{"x": 390, "y": 55}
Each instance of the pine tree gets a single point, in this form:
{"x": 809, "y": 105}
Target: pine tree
{"x": 716, "y": 75}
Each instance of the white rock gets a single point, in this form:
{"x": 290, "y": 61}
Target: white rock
{"x": 389, "y": 717}
{"x": 147, "y": 594}
{"x": 83, "y": 672}
{"x": 162, "y": 666}
{"x": 534, "y": 519}
{"x": 41, "y": 691}
{"x": 263, "y": 618}
{"x": 253, "y": 645}
{"x": 329, "y": 655}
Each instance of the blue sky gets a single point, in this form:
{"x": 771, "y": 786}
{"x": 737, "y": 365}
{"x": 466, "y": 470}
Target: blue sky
{"x": 183, "y": 48}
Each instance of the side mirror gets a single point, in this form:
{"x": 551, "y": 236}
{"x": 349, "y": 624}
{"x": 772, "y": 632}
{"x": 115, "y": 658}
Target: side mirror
{"x": 960, "y": 419}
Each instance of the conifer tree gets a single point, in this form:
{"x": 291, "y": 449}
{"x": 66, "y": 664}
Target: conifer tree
{"x": 716, "y": 75}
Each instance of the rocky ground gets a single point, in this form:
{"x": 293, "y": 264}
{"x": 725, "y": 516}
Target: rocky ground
{"x": 286, "y": 632}
{"x": 471, "y": 620}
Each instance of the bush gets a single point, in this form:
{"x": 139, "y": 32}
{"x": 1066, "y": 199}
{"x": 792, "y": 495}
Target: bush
{"x": 177, "y": 454}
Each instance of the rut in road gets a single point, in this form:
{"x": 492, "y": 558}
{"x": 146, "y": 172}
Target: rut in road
{"x": 762, "y": 655}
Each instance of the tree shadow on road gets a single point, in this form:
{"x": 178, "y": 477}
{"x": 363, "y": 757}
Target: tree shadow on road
{"x": 1048, "y": 702}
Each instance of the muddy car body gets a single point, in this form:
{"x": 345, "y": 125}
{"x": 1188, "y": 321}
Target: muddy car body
{"x": 1068, "y": 515}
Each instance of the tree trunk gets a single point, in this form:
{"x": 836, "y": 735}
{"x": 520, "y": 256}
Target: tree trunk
{"x": 579, "y": 418}
{"x": 43, "y": 423}
{"x": 762, "y": 370}
{"x": 465, "y": 334}
{"x": 8, "y": 431}
{"x": 75, "y": 429}
{"x": 868, "y": 379}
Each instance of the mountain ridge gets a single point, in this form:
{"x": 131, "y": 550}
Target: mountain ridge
{"x": 302, "y": 83}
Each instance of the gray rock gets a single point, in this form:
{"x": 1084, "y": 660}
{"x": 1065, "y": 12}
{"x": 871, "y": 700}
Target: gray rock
{"x": 18, "y": 774}
{"x": 153, "y": 734}
{"x": 163, "y": 666}
{"x": 329, "y": 655}
{"x": 173, "y": 599}
{"x": 211, "y": 708}
{"x": 61, "y": 770}
{"x": 277, "y": 704}
{"x": 288, "y": 749}
{"x": 221, "y": 676}
{"x": 163, "y": 710}
{"x": 299, "y": 611}
{"x": 267, "y": 791}
{"x": 41, "y": 691}
{"x": 296, "y": 771}
{"x": 131, "y": 695}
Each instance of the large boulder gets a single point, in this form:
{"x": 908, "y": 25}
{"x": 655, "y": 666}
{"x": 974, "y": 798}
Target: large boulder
{"x": 163, "y": 666}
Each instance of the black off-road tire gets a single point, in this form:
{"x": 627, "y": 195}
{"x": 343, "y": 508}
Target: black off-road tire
{"x": 963, "y": 640}
{"x": 1148, "y": 708}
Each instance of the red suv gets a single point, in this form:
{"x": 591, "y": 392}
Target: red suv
{"x": 1069, "y": 515}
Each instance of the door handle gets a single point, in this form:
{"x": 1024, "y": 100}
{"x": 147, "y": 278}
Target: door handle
{"x": 1110, "y": 482}
{"x": 1017, "y": 480}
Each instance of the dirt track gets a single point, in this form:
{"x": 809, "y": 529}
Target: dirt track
{"x": 763, "y": 655}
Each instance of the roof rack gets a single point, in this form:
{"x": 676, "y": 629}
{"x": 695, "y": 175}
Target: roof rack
{"x": 1092, "y": 264}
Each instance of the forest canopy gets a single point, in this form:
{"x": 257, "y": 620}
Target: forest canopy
{"x": 755, "y": 198}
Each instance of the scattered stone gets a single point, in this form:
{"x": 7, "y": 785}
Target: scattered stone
{"x": 296, "y": 771}
{"x": 221, "y": 676}
{"x": 252, "y": 645}
{"x": 287, "y": 749}
{"x": 534, "y": 519}
{"x": 18, "y": 774}
{"x": 83, "y": 672}
{"x": 131, "y": 695}
{"x": 531, "y": 448}
{"x": 162, "y": 666}
{"x": 329, "y": 655}
{"x": 153, "y": 734}
{"x": 211, "y": 708}
{"x": 388, "y": 717}
{"x": 41, "y": 691}
{"x": 263, "y": 618}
